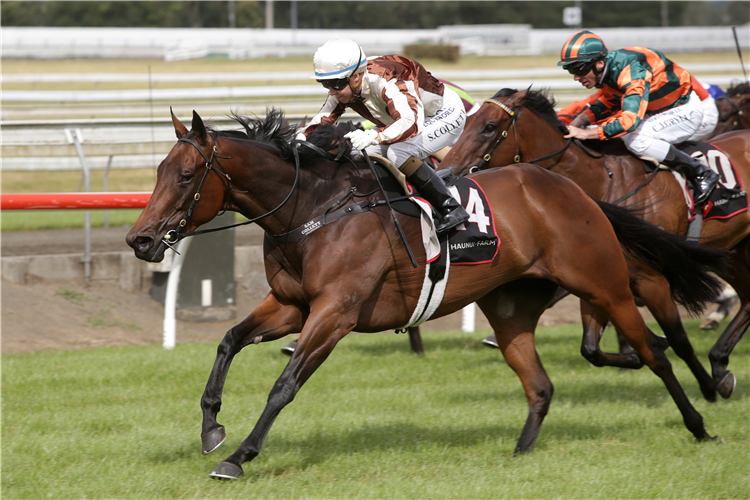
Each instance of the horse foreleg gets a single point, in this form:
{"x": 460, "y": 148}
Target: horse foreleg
{"x": 719, "y": 354}
{"x": 269, "y": 321}
{"x": 322, "y": 331}
{"x": 513, "y": 311}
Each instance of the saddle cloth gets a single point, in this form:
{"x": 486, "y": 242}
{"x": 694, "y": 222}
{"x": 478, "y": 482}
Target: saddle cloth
{"x": 473, "y": 242}
{"x": 728, "y": 197}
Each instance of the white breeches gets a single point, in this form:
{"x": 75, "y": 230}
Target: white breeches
{"x": 440, "y": 130}
{"x": 710, "y": 119}
{"x": 658, "y": 132}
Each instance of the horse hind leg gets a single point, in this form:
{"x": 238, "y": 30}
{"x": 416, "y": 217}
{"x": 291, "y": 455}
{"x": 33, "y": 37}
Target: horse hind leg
{"x": 613, "y": 298}
{"x": 513, "y": 311}
{"x": 626, "y": 318}
{"x": 594, "y": 322}
{"x": 269, "y": 321}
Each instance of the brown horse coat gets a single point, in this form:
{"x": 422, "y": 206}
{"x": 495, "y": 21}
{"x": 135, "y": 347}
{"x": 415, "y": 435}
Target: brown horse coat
{"x": 355, "y": 274}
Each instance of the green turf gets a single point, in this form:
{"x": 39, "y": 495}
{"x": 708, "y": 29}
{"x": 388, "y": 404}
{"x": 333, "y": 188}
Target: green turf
{"x": 374, "y": 422}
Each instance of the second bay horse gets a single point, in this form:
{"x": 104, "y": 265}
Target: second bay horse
{"x": 523, "y": 127}
{"x": 355, "y": 274}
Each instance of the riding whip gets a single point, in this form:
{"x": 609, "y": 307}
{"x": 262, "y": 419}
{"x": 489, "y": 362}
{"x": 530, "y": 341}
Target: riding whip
{"x": 393, "y": 214}
{"x": 739, "y": 52}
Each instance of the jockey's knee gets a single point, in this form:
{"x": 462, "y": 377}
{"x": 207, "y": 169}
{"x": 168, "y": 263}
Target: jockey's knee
{"x": 410, "y": 166}
{"x": 642, "y": 145}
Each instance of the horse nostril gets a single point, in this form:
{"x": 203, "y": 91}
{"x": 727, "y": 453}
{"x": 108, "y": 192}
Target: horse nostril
{"x": 141, "y": 243}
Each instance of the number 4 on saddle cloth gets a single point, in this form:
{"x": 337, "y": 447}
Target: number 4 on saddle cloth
{"x": 473, "y": 242}
{"x": 728, "y": 198}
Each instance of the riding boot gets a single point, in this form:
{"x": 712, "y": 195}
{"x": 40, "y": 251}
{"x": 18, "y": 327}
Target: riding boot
{"x": 433, "y": 189}
{"x": 702, "y": 178}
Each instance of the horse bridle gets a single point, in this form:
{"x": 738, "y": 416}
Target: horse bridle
{"x": 175, "y": 235}
{"x": 737, "y": 108}
{"x": 513, "y": 113}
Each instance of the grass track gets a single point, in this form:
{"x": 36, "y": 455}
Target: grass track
{"x": 374, "y": 422}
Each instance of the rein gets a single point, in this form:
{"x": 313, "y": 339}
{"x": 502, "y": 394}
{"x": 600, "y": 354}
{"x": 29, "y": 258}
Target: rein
{"x": 173, "y": 236}
{"x": 513, "y": 113}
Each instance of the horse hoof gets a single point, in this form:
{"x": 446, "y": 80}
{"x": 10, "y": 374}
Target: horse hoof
{"x": 726, "y": 387}
{"x": 226, "y": 471}
{"x": 213, "y": 439}
{"x": 661, "y": 342}
{"x": 709, "y": 324}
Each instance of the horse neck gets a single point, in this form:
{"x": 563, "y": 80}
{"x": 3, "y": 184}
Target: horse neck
{"x": 268, "y": 180}
{"x": 538, "y": 138}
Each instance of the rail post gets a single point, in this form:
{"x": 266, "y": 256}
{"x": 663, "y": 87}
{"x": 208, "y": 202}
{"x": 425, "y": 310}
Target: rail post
{"x": 76, "y": 137}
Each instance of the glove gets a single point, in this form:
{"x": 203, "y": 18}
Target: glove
{"x": 300, "y": 136}
{"x": 361, "y": 139}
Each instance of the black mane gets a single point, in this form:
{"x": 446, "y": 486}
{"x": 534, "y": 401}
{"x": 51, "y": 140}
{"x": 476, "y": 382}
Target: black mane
{"x": 275, "y": 131}
{"x": 739, "y": 89}
{"x": 541, "y": 103}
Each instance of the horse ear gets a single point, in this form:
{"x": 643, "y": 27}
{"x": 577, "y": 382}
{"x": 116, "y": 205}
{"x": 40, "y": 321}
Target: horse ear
{"x": 179, "y": 129}
{"x": 519, "y": 96}
{"x": 199, "y": 129}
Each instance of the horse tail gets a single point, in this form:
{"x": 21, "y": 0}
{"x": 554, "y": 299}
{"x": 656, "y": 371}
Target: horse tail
{"x": 687, "y": 268}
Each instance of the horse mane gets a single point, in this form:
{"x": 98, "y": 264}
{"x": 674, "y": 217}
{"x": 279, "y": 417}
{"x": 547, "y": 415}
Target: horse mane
{"x": 541, "y": 103}
{"x": 274, "y": 130}
{"x": 739, "y": 89}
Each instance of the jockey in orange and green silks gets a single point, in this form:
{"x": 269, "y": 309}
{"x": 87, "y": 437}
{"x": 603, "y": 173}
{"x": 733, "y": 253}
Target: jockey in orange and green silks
{"x": 646, "y": 99}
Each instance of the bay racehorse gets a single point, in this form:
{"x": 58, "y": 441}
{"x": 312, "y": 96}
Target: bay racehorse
{"x": 355, "y": 273}
{"x": 523, "y": 127}
{"x": 734, "y": 110}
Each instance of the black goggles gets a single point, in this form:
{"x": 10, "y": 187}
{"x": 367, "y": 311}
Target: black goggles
{"x": 338, "y": 84}
{"x": 581, "y": 68}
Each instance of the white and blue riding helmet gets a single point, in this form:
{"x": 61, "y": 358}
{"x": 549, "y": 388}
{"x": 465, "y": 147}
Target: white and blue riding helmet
{"x": 338, "y": 59}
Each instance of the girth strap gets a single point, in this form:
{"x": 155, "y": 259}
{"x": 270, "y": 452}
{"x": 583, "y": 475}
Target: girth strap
{"x": 320, "y": 221}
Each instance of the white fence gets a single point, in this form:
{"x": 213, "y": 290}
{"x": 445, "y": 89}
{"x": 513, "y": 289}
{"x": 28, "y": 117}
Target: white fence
{"x": 471, "y": 81}
{"x": 181, "y": 43}
{"x": 142, "y": 143}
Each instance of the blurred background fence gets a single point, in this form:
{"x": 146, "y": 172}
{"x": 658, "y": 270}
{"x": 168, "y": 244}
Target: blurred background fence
{"x": 242, "y": 43}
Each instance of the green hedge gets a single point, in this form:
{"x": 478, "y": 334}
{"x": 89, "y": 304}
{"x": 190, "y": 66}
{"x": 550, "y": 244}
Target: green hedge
{"x": 449, "y": 53}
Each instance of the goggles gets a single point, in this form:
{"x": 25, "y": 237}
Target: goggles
{"x": 580, "y": 68}
{"x": 337, "y": 84}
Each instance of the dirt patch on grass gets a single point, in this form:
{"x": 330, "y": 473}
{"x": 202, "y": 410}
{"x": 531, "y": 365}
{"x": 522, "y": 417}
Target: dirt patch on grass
{"x": 76, "y": 315}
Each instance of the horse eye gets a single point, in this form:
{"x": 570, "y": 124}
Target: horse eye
{"x": 187, "y": 178}
{"x": 490, "y": 127}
